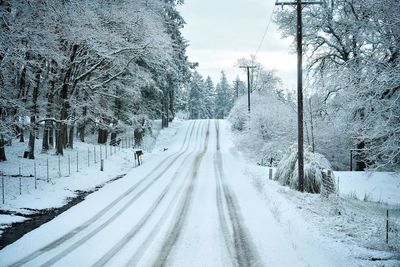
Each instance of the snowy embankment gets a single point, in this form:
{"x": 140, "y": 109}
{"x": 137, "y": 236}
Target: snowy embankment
{"x": 353, "y": 222}
{"x": 79, "y": 171}
{"x": 370, "y": 186}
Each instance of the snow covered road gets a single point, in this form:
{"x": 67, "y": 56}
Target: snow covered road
{"x": 189, "y": 206}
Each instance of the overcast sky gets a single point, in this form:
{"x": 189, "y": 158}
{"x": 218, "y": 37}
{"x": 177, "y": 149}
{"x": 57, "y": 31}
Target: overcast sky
{"x": 221, "y": 31}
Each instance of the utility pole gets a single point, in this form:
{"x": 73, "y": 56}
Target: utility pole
{"x": 300, "y": 119}
{"x": 248, "y": 83}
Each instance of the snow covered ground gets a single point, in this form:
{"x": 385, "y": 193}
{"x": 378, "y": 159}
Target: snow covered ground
{"x": 200, "y": 203}
{"x": 370, "y": 186}
{"x": 79, "y": 171}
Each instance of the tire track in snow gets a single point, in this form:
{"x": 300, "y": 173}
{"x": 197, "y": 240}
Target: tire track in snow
{"x": 59, "y": 241}
{"x": 150, "y": 238}
{"x": 220, "y": 205}
{"x": 222, "y": 218}
{"x": 81, "y": 241}
{"x": 132, "y": 233}
{"x": 176, "y": 229}
{"x": 239, "y": 245}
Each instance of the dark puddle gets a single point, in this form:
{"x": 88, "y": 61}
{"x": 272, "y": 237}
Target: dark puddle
{"x": 36, "y": 218}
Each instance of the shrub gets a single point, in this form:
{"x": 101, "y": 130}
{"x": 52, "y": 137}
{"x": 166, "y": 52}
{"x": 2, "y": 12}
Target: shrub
{"x": 314, "y": 164}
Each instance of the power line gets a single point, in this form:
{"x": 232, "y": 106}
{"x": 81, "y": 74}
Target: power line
{"x": 266, "y": 30}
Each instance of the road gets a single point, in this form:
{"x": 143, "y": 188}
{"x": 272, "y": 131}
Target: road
{"x": 189, "y": 206}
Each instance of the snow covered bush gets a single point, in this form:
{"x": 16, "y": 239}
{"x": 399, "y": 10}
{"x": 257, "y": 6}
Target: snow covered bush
{"x": 314, "y": 164}
{"x": 268, "y": 130}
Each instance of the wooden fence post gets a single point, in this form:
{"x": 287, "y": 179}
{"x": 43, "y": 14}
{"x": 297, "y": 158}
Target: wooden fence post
{"x": 59, "y": 167}
{"x": 34, "y": 172}
{"x": 69, "y": 165}
{"x": 387, "y": 226}
{"x": 2, "y": 187}
{"x": 47, "y": 171}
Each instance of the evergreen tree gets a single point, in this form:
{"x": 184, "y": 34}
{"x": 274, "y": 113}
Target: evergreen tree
{"x": 240, "y": 87}
{"x": 224, "y": 98}
{"x": 209, "y": 96}
{"x": 196, "y": 97}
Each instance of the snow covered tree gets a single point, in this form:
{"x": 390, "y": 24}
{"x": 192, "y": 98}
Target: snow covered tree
{"x": 80, "y": 65}
{"x": 270, "y": 128}
{"x": 224, "y": 98}
{"x": 209, "y": 98}
{"x": 240, "y": 87}
{"x": 200, "y": 97}
{"x": 196, "y": 103}
{"x": 352, "y": 48}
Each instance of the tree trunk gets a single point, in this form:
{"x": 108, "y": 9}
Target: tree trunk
{"x": 138, "y": 134}
{"x": 82, "y": 125}
{"x": 71, "y": 131}
{"x": 22, "y": 95}
{"x": 71, "y": 136}
{"x": 51, "y": 135}
{"x": 102, "y": 136}
{"x": 30, "y": 152}
{"x": 45, "y": 141}
{"x": 48, "y": 136}
{"x": 82, "y": 132}
{"x": 165, "y": 108}
{"x": 113, "y": 140}
{"x": 57, "y": 136}
{"x": 2, "y": 149}
{"x": 312, "y": 127}
{"x": 21, "y": 134}
{"x": 171, "y": 105}
{"x": 61, "y": 135}
{"x": 360, "y": 163}
{"x": 63, "y": 129}
{"x": 48, "y": 125}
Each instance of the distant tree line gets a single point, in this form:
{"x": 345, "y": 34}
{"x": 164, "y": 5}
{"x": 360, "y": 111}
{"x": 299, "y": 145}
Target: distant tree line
{"x": 69, "y": 68}
{"x": 206, "y": 101}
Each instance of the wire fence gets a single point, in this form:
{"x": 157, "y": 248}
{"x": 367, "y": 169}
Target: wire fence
{"x": 28, "y": 177}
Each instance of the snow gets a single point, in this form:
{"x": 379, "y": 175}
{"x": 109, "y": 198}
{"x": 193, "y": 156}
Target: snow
{"x": 5, "y": 220}
{"x": 57, "y": 192}
{"x": 197, "y": 205}
{"x": 372, "y": 186}
{"x": 290, "y": 239}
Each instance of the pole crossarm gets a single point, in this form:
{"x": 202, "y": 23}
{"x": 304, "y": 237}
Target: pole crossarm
{"x": 248, "y": 67}
{"x": 294, "y": 3}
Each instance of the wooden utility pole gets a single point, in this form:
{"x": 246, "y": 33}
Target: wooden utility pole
{"x": 300, "y": 119}
{"x": 248, "y": 83}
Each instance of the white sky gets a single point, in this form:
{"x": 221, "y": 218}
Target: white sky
{"x": 221, "y": 31}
